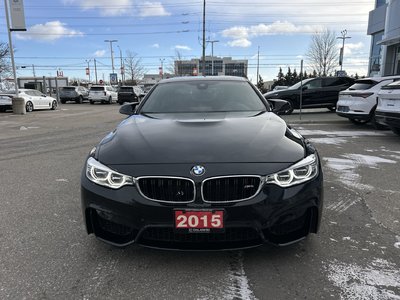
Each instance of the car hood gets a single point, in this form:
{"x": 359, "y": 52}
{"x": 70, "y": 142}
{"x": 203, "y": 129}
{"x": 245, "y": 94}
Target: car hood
{"x": 210, "y": 138}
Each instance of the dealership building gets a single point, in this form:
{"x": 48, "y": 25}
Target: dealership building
{"x": 384, "y": 28}
{"x": 214, "y": 66}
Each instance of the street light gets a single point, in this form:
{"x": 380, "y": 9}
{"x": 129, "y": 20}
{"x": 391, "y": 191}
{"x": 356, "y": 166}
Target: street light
{"x": 343, "y": 37}
{"x": 112, "y": 53}
{"x": 212, "y": 55}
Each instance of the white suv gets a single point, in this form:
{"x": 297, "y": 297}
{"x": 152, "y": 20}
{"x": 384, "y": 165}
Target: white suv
{"x": 359, "y": 101}
{"x": 103, "y": 94}
{"x": 388, "y": 109}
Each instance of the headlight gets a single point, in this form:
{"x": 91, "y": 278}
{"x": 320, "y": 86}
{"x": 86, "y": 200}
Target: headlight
{"x": 302, "y": 171}
{"x": 103, "y": 175}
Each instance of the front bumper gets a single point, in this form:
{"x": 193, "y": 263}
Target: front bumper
{"x": 275, "y": 215}
{"x": 388, "y": 118}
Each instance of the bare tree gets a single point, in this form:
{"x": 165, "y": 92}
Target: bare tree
{"x": 133, "y": 66}
{"x": 323, "y": 52}
{"x": 5, "y": 67}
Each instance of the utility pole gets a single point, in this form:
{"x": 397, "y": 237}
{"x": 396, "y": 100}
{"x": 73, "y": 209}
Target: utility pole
{"x": 95, "y": 69}
{"x": 258, "y": 64}
{"x": 212, "y": 54}
{"x": 112, "y": 52}
{"x": 343, "y": 38}
{"x": 204, "y": 39}
{"x": 122, "y": 66}
{"x": 88, "y": 67}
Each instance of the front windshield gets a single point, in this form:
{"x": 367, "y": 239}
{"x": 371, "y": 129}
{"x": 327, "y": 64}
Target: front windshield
{"x": 203, "y": 96}
{"x": 297, "y": 85}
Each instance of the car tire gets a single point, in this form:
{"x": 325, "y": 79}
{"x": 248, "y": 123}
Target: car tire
{"x": 54, "y": 105}
{"x": 396, "y": 130}
{"x": 109, "y": 100}
{"x": 333, "y": 108}
{"x": 63, "y": 101}
{"x": 358, "y": 121}
{"x": 79, "y": 100}
{"x": 91, "y": 102}
{"x": 3, "y": 109}
{"x": 289, "y": 111}
{"x": 29, "y": 106}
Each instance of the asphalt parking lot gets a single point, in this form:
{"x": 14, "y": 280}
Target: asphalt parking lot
{"x": 45, "y": 252}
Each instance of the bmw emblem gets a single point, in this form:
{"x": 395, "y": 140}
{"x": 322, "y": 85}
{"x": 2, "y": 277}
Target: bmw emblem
{"x": 198, "y": 170}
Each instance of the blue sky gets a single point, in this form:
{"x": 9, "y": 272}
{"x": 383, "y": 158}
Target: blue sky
{"x": 64, "y": 34}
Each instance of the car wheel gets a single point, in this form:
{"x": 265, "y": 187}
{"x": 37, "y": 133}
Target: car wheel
{"x": 289, "y": 111}
{"x": 91, "y": 102}
{"x": 3, "y": 109}
{"x": 333, "y": 108}
{"x": 63, "y": 101}
{"x": 79, "y": 100}
{"x": 396, "y": 130}
{"x": 358, "y": 121}
{"x": 54, "y": 105}
{"x": 29, "y": 106}
{"x": 109, "y": 100}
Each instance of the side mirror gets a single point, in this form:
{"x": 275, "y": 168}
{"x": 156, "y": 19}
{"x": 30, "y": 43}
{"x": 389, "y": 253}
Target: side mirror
{"x": 128, "y": 109}
{"x": 279, "y": 106}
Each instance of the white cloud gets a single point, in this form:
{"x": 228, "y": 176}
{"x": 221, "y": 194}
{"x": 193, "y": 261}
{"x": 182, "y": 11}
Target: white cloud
{"x": 49, "y": 31}
{"x": 243, "y": 43}
{"x": 156, "y": 45}
{"x": 349, "y": 47}
{"x": 152, "y": 9}
{"x": 105, "y": 7}
{"x": 99, "y": 53}
{"x": 241, "y": 35}
{"x": 182, "y": 47}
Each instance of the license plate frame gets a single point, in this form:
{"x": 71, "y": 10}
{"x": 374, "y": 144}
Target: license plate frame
{"x": 199, "y": 220}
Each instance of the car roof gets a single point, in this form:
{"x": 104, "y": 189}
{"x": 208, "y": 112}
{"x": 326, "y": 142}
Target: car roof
{"x": 203, "y": 78}
{"x": 379, "y": 78}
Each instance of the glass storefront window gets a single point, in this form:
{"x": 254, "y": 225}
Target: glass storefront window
{"x": 375, "y": 59}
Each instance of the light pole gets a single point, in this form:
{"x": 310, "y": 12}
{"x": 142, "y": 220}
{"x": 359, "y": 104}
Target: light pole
{"x": 88, "y": 67}
{"x": 162, "y": 67}
{"x": 112, "y": 52}
{"x": 212, "y": 55}
{"x": 343, "y": 37}
{"x": 204, "y": 39}
{"x": 122, "y": 65}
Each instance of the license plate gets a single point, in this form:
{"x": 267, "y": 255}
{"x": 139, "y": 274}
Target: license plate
{"x": 199, "y": 220}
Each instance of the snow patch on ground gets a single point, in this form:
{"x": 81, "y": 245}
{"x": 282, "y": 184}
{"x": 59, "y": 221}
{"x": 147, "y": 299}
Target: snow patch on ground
{"x": 239, "y": 287}
{"x": 346, "y": 168}
{"x": 340, "y": 133}
{"x": 380, "y": 280}
{"x": 328, "y": 140}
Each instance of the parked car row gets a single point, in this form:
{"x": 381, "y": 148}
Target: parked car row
{"x": 320, "y": 92}
{"x": 375, "y": 100}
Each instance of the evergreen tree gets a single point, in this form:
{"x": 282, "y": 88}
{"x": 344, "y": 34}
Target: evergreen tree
{"x": 280, "y": 81}
{"x": 305, "y": 75}
{"x": 356, "y": 77}
{"x": 314, "y": 74}
{"x": 260, "y": 83}
{"x": 289, "y": 77}
{"x": 295, "y": 77}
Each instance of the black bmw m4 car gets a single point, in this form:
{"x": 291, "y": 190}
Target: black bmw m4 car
{"x": 202, "y": 163}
